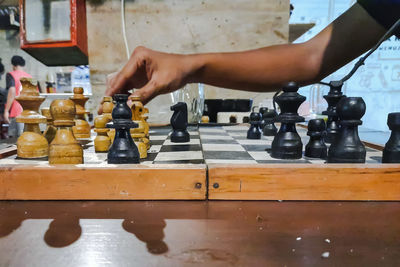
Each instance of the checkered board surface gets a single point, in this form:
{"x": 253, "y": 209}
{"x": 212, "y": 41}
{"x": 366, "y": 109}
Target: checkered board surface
{"x": 208, "y": 144}
{"x": 229, "y": 144}
{"x": 162, "y": 151}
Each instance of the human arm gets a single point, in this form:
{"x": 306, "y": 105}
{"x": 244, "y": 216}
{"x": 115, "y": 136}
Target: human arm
{"x": 261, "y": 70}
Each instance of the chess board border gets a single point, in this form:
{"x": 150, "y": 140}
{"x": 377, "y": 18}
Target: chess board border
{"x": 284, "y": 181}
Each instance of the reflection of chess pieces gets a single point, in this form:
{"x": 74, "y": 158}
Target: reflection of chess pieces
{"x": 31, "y": 144}
{"x": 102, "y": 141}
{"x": 81, "y": 129}
{"x": 50, "y": 131}
{"x": 64, "y": 149}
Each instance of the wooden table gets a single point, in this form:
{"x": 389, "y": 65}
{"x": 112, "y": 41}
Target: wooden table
{"x": 199, "y": 233}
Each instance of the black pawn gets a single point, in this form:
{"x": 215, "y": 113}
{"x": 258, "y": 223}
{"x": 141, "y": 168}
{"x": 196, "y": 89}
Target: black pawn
{"x": 262, "y": 110}
{"x": 391, "y": 152}
{"x": 123, "y": 150}
{"x": 347, "y": 146}
{"x": 287, "y": 142}
{"x": 179, "y": 122}
{"x": 332, "y": 98}
{"x": 269, "y": 128}
{"x": 316, "y": 147}
{"x": 254, "y": 131}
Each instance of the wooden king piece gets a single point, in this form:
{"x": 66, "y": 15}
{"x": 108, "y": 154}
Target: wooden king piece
{"x": 64, "y": 149}
{"x": 82, "y": 128}
{"x": 31, "y": 144}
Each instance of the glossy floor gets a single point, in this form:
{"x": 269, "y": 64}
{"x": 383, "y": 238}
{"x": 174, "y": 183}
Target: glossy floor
{"x": 195, "y": 233}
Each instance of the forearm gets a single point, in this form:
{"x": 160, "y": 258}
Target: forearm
{"x": 264, "y": 69}
{"x": 10, "y": 98}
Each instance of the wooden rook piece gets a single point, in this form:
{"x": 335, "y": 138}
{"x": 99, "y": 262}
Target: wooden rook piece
{"x": 254, "y": 131}
{"x": 179, "y": 122}
{"x": 347, "y": 146}
{"x": 123, "y": 150}
{"x": 391, "y": 152}
{"x": 81, "y": 129}
{"x": 332, "y": 98}
{"x": 269, "y": 128}
{"x": 64, "y": 149}
{"x": 31, "y": 144}
{"x": 50, "y": 131}
{"x": 287, "y": 142}
{"x": 316, "y": 147}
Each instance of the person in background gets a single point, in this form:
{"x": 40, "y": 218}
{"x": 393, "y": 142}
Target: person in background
{"x": 13, "y": 86}
{"x": 3, "y": 94}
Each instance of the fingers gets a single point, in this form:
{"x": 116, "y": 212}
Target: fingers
{"x": 148, "y": 92}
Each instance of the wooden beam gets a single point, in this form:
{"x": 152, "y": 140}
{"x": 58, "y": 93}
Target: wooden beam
{"x": 305, "y": 182}
{"x": 111, "y": 182}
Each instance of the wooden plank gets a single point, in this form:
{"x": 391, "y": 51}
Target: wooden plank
{"x": 8, "y": 151}
{"x": 122, "y": 182}
{"x": 305, "y": 182}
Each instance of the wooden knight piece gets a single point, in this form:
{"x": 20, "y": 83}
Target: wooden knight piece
{"x": 31, "y": 144}
{"x": 138, "y": 111}
{"x": 64, "y": 149}
{"x": 81, "y": 129}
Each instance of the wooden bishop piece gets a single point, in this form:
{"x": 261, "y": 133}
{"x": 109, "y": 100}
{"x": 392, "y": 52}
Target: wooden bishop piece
{"x": 81, "y": 129}
{"x": 31, "y": 144}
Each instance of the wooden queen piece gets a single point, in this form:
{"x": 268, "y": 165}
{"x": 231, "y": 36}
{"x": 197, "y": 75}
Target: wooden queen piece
{"x": 31, "y": 144}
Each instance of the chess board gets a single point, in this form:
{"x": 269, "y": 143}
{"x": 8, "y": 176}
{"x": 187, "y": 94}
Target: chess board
{"x": 229, "y": 145}
{"x": 219, "y": 162}
{"x": 162, "y": 151}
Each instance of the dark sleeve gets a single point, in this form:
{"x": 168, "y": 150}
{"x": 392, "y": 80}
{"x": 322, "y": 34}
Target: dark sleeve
{"x": 385, "y": 12}
{"x": 9, "y": 81}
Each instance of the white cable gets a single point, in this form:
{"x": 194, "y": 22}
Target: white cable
{"x": 124, "y": 28}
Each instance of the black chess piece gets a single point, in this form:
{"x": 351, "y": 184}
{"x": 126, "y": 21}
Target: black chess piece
{"x": 287, "y": 142}
{"x": 123, "y": 150}
{"x": 316, "y": 147}
{"x": 391, "y": 152}
{"x": 179, "y": 122}
{"x": 333, "y": 97}
{"x": 262, "y": 110}
{"x": 347, "y": 146}
{"x": 254, "y": 131}
{"x": 269, "y": 128}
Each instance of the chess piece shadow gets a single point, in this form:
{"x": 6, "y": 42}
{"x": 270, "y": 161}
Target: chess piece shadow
{"x": 150, "y": 231}
{"x": 10, "y": 222}
{"x": 63, "y": 231}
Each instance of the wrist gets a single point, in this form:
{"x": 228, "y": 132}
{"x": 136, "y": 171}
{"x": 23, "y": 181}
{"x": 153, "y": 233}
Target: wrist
{"x": 195, "y": 64}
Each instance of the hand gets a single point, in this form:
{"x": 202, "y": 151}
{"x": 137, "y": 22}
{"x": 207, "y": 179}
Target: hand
{"x": 6, "y": 116}
{"x": 153, "y": 72}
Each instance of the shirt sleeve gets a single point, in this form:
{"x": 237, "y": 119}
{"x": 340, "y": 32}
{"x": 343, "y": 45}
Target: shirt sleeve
{"x": 9, "y": 81}
{"x": 385, "y": 12}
